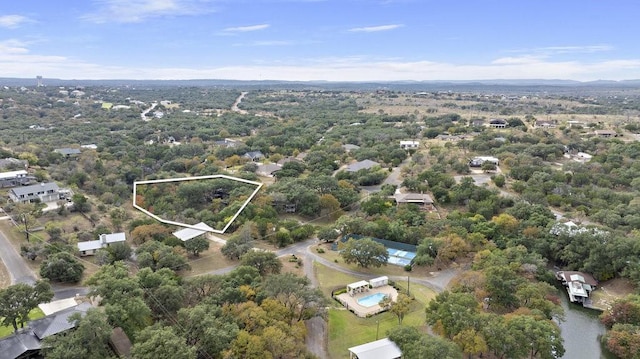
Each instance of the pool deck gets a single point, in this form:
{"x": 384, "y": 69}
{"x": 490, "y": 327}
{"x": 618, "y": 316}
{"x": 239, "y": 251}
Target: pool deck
{"x": 351, "y": 302}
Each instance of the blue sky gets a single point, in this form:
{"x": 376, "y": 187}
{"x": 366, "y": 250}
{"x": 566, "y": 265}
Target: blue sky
{"x": 333, "y": 40}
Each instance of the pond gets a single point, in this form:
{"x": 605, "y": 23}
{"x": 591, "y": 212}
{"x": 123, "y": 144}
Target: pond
{"x": 581, "y": 332}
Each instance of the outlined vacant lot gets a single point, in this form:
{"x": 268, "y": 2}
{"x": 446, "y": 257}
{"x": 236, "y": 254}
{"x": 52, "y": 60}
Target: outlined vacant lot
{"x": 185, "y": 201}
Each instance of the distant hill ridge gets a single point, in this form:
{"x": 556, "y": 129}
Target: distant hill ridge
{"x": 440, "y": 85}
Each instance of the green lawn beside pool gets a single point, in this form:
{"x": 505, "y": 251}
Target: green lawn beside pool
{"x": 347, "y": 330}
{"x": 34, "y": 314}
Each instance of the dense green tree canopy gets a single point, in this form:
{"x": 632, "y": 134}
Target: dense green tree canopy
{"x": 364, "y": 252}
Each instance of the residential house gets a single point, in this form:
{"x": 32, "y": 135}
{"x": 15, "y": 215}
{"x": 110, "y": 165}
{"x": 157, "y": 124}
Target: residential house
{"x": 582, "y": 157}
{"x": 361, "y": 165}
{"x": 477, "y": 123}
{"x": 27, "y": 342}
{"x": 350, "y": 147}
{"x": 289, "y": 159}
{"x": 254, "y": 156}
{"x": 498, "y": 123}
{"x": 605, "y": 133}
{"x": 14, "y": 178}
{"x": 579, "y": 286}
{"x": 77, "y": 93}
{"x": 379, "y": 349}
{"x": 43, "y": 192}
{"x": 422, "y": 200}
{"x": 545, "y": 124}
{"x": 67, "y": 152}
{"x": 572, "y": 123}
{"x": 227, "y": 143}
{"x": 89, "y": 248}
{"x": 447, "y": 137}
{"x": 13, "y": 163}
{"x": 268, "y": 170}
{"x": 478, "y": 161}
{"x": 409, "y": 145}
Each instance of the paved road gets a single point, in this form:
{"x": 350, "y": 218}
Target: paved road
{"x": 18, "y": 270}
{"x": 64, "y": 291}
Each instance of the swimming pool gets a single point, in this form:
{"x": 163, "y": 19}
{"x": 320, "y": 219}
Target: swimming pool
{"x": 371, "y": 300}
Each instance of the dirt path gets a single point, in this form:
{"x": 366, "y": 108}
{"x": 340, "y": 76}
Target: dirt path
{"x": 235, "y": 108}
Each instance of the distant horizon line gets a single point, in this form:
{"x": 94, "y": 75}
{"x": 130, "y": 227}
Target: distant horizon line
{"x": 484, "y": 81}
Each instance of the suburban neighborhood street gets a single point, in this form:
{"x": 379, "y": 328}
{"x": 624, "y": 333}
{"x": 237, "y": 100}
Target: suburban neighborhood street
{"x": 19, "y": 271}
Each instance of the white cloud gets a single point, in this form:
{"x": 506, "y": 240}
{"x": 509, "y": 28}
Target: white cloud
{"x": 266, "y": 43}
{"x": 13, "y": 21}
{"x": 17, "y": 61}
{"x": 376, "y": 28}
{"x": 11, "y": 47}
{"x": 128, "y": 11}
{"x": 246, "y": 28}
{"x": 516, "y": 60}
{"x": 551, "y": 50}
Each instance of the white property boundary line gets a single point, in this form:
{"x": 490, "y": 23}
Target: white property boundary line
{"x": 180, "y": 179}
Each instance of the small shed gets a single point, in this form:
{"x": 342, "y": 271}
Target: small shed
{"x": 120, "y": 343}
{"x": 357, "y": 287}
{"x": 379, "y": 282}
{"x": 188, "y": 233}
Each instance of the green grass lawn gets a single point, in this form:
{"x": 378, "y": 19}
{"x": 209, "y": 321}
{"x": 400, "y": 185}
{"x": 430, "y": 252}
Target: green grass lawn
{"x": 330, "y": 279}
{"x": 34, "y": 314}
{"x": 347, "y": 330}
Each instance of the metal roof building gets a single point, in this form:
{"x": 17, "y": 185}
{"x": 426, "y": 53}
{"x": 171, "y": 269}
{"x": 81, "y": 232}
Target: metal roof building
{"x": 380, "y": 349}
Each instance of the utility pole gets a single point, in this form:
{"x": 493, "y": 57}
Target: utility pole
{"x": 408, "y": 285}
{"x": 26, "y": 229}
{"x": 377, "y": 328}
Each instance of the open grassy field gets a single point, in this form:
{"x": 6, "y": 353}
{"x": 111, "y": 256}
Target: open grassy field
{"x": 209, "y": 260}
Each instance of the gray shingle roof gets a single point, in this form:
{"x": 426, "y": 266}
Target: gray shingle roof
{"x": 362, "y": 165}
{"x": 44, "y": 186}
{"x": 29, "y": 339}
{"x": 58, "y": 322}
{"x": 16, "y": 345}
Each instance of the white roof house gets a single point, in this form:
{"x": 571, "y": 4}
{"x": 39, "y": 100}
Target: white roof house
{"x": 479, "y": 160}
{"x": 13, "y": 174}
{"x": 89, "y": 247}
{"x": 409, "y": 144}
{"x": 187, "y": 233}
{"x": 379, "y": 349}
